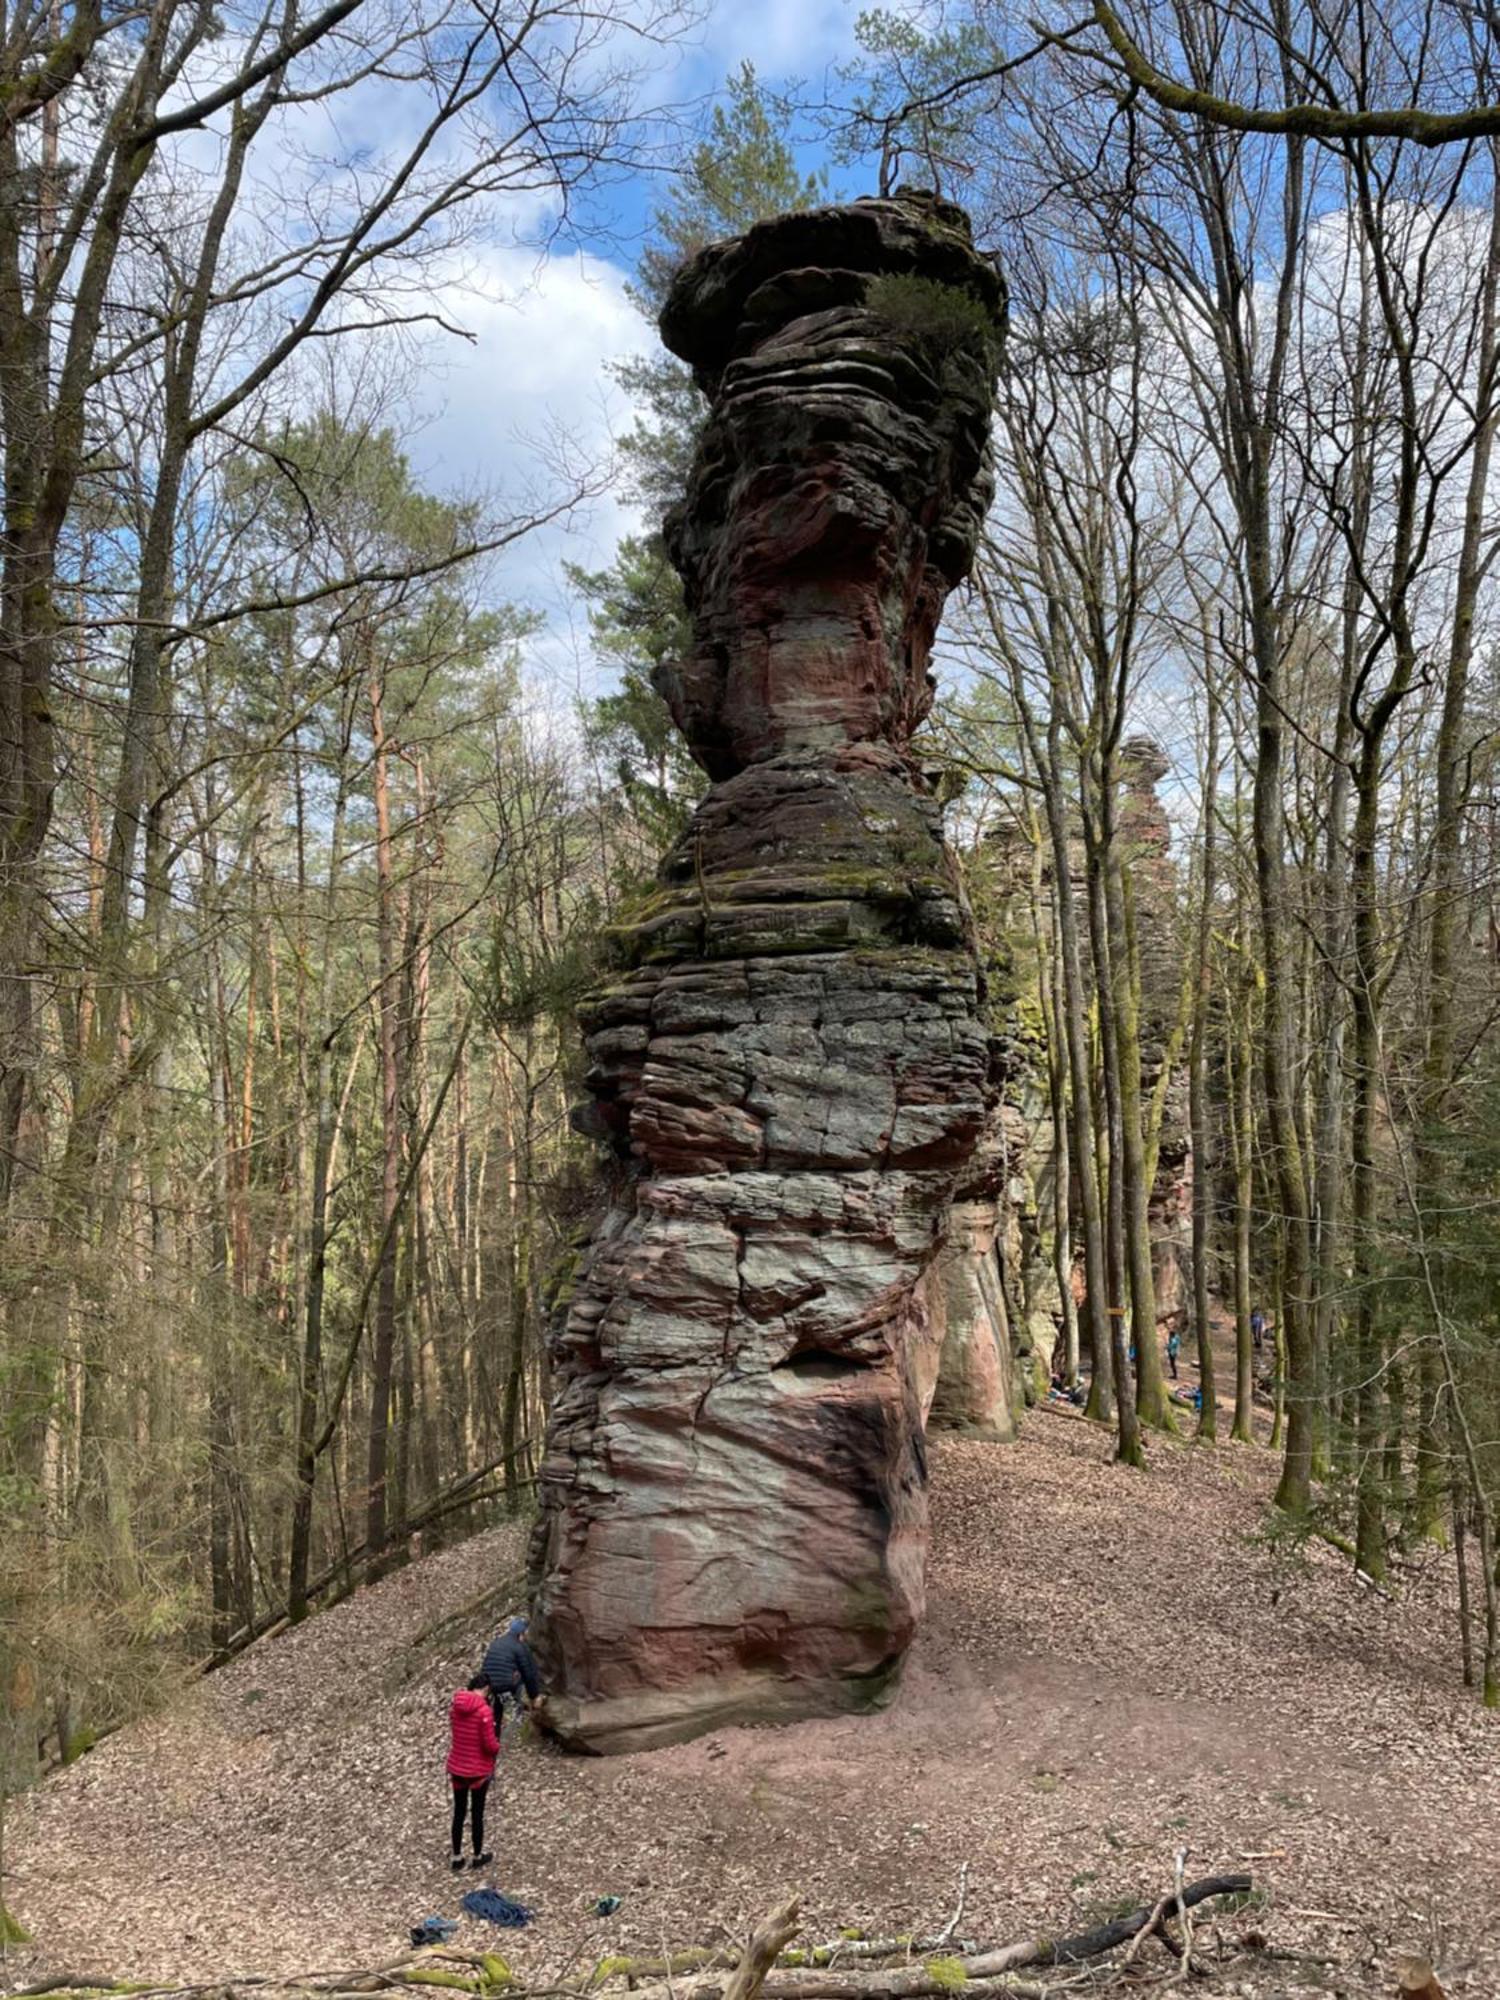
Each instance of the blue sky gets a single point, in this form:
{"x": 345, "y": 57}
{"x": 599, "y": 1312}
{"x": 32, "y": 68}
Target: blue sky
{"x": 544, "y": 329}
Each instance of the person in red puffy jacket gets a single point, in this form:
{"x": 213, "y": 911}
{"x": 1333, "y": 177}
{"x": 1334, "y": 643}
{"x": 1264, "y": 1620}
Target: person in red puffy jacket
{"x": 472, "y": 1749}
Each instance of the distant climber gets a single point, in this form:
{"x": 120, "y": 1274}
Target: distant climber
{"x": 1257, "y": 1327}
{"x": 473, "y": 1745}
{"x": 509, "y": 1669}
{"x": 1064, "y": 1391}
{"x": 1174, "y": 1348}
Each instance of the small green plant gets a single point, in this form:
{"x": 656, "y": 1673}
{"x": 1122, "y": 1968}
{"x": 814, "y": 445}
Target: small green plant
{"x": 1111, "y": 1912}
{"x": 943, "y": 318}
{"x": 12, "y": 1932}
{"x": 1246, "y": 1899}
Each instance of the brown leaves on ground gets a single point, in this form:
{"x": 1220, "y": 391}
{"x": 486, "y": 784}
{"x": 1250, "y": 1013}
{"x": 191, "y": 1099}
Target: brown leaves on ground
{"x": 1116, "y": 1666}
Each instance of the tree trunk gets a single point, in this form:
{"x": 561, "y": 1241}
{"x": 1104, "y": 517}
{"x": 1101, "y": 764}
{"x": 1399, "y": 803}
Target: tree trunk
{"x": 1124, "y": 1001}
{"x": 1096, "y": 1296}
{"x": 1444, "y": 896}
{"x": 1241, "y": 1115}
{"x": 1294, "y": 1490}
{"x": 1126, "y": 1414}
{"x": 1208, "y": 1415}
{"x": 383, "y": 1316}
{"x": 1062, "y": 1193}
{"x": 316, "y": 1262}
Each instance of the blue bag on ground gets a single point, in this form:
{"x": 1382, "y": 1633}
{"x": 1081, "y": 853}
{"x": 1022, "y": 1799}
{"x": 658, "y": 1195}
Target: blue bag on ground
{"x": 496, "y": 1909}
{"x": 433, "y": 1930}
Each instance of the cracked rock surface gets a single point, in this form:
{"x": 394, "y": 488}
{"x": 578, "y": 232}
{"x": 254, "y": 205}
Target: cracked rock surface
{"x": 791, "y": 1066}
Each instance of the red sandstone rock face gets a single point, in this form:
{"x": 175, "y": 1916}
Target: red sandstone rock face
{"x": 966, "y": 1369}
{"x": 842, "y": 481}
{"x": 791, "y": 1067}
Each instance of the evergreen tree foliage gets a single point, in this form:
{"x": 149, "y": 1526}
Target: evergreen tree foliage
{"x": 742, "y": 170}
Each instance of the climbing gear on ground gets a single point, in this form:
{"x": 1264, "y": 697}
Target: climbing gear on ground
{"x": 434, "y": 1930}
{"x": 606, "y": 1906}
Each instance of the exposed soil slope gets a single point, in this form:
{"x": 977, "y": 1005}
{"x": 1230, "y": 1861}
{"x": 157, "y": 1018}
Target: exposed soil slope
{"x": 1114, "y": 1666}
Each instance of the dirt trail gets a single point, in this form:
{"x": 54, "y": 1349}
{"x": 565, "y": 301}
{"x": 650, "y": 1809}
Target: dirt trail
{"x": 1115, "y": 1666}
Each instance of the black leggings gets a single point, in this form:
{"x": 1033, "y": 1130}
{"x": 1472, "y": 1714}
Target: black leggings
{"x": 469, "y": 1794}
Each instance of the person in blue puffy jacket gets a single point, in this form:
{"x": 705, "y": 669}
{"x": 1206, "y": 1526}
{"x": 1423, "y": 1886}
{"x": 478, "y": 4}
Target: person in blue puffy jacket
{"x": 509, "y": 1669}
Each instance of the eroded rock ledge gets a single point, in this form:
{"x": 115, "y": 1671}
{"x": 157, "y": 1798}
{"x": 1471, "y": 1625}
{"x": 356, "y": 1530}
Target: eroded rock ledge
{"x": 791, "y": 1067}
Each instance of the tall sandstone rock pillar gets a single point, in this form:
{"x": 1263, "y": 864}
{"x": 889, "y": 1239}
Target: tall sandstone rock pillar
{"x": 791, "y": 1067}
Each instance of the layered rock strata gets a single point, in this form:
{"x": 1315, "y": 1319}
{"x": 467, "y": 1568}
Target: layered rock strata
{"x": 791, "y": 1068}
{"x": 969, "y": 1381}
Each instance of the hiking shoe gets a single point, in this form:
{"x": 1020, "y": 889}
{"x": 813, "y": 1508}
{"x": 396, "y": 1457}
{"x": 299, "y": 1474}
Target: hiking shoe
{"x": 479, "y": 1861}
{"x": 458, "y": 1862}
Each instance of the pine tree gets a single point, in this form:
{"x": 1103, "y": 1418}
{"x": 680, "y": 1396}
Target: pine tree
{"x": 741, "y": 171}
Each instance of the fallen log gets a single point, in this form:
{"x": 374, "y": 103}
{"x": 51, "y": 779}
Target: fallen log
{"x": 641, "y": 1972}
{"x": 1089, "y": 1944}
{"x": 843, "y": 1950}
{"x": 70, "y": 1982}
{"x": 846, "y": 1951}
{"x": 939, "y": 1975}
{"x": 691, "y": 1958}
{"x": 756, "y": 1976}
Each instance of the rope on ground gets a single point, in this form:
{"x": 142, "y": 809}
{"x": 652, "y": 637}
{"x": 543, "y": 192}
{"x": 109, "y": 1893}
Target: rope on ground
{"x": 497, "y": 1909}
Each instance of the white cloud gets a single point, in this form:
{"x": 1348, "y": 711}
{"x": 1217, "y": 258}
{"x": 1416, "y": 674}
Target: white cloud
{"x": 545, "y": 329}
{"x": 783, "y": 38}
{"x": 535, "y": 381}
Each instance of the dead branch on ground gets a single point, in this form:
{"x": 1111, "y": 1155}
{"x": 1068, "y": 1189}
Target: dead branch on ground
{"x": 763, "y": 1970}
{"x": 767, "y": 1942}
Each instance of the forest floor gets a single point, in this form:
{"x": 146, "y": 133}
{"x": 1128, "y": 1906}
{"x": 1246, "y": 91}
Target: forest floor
{"x": 1115, "y": 1666}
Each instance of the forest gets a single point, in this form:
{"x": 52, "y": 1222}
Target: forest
{"x": 310, "y": 856}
